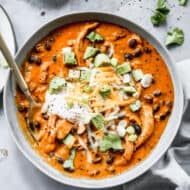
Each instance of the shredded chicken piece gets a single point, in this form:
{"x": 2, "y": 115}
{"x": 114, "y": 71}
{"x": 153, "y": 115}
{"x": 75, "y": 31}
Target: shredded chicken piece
{"x": 129, "y": 149}
{"x": 80, "y": 38}
{"x": 48, "y": 135}
{"x": 82, "y": 143}
{"x": 146, "y": 115}
{"x": 133, "y": 117}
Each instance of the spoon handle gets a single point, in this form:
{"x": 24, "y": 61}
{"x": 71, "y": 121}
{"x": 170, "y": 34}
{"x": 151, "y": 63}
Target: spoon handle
{"x": 12, "y": 64}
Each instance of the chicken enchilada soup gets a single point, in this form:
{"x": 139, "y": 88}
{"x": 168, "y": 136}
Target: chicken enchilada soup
{"x": 105, "y": 96}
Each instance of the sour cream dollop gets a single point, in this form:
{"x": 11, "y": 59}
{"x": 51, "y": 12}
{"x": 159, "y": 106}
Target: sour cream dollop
{"x": 57, "y": 104}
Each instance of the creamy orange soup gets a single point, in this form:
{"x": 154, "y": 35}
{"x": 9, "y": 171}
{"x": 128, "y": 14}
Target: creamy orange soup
{"x": 105, "y": 95}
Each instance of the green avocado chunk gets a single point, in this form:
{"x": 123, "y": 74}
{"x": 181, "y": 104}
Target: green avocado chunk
{"x": 134, "y": 107}
{"x": 56, "y": 84}
{"x": 90, "y": 52}
{"x": 137, "y": 74}
{"x": 105, "y": 91}
{"x": 69, "y": 164}
{"x": 124, "y": 68}
{"x": 111, "y": 141}
{"x": 129, "y": 90}
{"x": 98, "y": 121}
{"x": 102, "y": 60}
{"x": 85, "y": 75}
{"x": 69, "y": 59}
{"x": 93, "y": 36}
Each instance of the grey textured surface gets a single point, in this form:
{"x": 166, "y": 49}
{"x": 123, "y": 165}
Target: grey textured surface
{"x": 15, "y": 171}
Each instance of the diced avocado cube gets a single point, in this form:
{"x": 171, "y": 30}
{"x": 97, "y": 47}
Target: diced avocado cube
{"x": 135, "y": 106}
{"x": 114, "y": 62}
{"x": 85, "y": 98}
{"x": 111, "y": 141}
{"x": 129, "y": 90}
{"x": 102, "y": 60}
{"x": 85, "y": 75}
{"x": 70, "y": 105}
{"x": 56, "y": 84}
{"x": 136, "y": 94}
{"x": 105, "y": 91}
{"x": 74, "y": 74}
{"x": 93, "y": 36}
{"x": 87, "y": 89}
{"x": 130, "y": 130}
{"x": 69, "y": 140}
{"x": 98, "y": 121}
{"x": 69, "y": 59}
{"x": 124, "y": 68}
{"x": 69, "y": 164}
{"x": 90, "y": 52}
{"x": 137, "y": 74}
{"x": 132, "y": 137}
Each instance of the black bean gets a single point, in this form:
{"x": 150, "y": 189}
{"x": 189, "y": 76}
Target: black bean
{"x": 51, "y": 154}
{"x": 38, "y": 61}
{"x": 22, "y": 108}
{"x": 132, "y": 43}
{"x": 59, "y": 159}
{"x": 51, "y": 39}
{"x": 148, "y": 98}
{"x": 157, "y": 93}
{"x": 48, "y": 45}
{"x": 54, "y": 58}
{"x": 168, "y": 112}
{"x": 162, "y": 116}
{"x": 110, "y": 160}
{"x": 36, "y": 124}
{"x": 97, "y": 160}
{"x": 31, "y": 125}
{"x": 156, "y": 108}
{"x": 31, "y": 58}
{"x": 34, "y": 59}
{"x": 73, "y": 131}
{"x": 147, "y": 50}
{"x": 137, "y": 52}
{"x": 128, "y": 56}
{"x": 38, "y": 48}
{"x": 137, "y": 128}
{"x": 169, "y": 104}
{"x": 45, "y": 116}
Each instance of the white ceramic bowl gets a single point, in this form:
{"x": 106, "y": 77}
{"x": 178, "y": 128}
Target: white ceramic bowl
{"x": 165, "y": 140}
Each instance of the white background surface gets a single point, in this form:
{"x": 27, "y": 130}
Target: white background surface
{"x": 18, "y": 173}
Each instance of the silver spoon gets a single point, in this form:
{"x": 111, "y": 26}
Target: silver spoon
{"x": 20, "y": 81}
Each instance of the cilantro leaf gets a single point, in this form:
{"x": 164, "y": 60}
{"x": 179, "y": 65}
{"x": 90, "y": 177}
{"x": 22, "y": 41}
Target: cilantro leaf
{"x": 111, "y": 141}
{"x": 176, "y": 37}
{"x": 93, "y": 36}
{"x": 182, "y": 2}
{"x": 56, "y": 84}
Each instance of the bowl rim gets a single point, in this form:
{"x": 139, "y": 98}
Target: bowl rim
{"x": 137, "y": 170}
